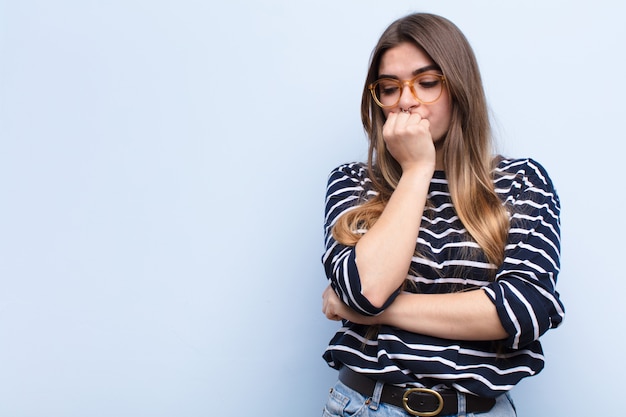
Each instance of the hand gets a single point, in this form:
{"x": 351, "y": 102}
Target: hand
{"x": 409, "y": 140}
{"x": 335, "y": 309}
{"x": 331, "y": 304}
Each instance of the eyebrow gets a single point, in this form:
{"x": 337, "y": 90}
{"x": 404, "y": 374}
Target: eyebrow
{"x": 418, "y": 71}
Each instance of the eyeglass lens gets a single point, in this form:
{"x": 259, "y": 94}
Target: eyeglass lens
{"x": 427, "y": 89}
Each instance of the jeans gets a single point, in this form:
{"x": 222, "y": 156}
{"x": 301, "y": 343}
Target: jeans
{"x": 345, "y": 402}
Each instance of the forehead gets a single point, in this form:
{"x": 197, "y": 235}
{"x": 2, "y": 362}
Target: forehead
{"x": 403, "y": 60}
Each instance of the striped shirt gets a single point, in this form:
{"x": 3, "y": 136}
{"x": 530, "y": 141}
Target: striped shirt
{"x": 523, "y": 290}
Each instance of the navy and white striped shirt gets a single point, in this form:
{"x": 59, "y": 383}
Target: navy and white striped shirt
{"x": 523, "y": 290}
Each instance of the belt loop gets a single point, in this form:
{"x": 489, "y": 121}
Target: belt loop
{"x": 461, "y": 404}
{"x": 378, "y": 390}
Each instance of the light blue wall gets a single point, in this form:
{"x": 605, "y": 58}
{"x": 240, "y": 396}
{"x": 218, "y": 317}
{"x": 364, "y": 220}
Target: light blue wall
{"x": 162, "y": 174}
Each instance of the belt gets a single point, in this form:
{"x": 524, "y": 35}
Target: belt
{"x": 416, "y": 401}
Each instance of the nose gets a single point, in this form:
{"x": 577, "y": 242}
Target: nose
{"x": 407, "y": 99}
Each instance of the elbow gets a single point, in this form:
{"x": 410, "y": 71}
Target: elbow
{"x": 375, "y": 298}
{"x": 499, "y": 332}
{"x": 378, "y": 298}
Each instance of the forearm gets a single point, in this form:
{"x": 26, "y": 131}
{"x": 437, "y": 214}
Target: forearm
{"x": 466, "y": 315}
{"x": 384, "y": 253}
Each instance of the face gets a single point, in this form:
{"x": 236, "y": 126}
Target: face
{"x": 404, "y": 62}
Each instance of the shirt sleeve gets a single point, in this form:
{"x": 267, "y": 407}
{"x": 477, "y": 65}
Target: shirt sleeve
{"x": 524, "y": 289}
{"x": 348, "y": 186}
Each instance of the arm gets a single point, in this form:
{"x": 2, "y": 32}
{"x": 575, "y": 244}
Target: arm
{"x": 347, "y": 186}
{"x": 519, "y": 306}
{"x": 466, "y": 315}
{"x": 524, "y": 291}
{"x": 384, "y": 253}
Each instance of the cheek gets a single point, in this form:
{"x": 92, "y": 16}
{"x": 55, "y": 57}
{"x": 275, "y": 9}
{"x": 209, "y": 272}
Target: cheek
{"x": 443, "y": 113}
{"x": 440, "y": 118}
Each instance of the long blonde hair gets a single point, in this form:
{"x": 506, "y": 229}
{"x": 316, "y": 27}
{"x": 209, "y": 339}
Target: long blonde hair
{"x": 467, "y": 147}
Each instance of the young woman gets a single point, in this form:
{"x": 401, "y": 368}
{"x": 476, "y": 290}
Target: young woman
{"x": 442, "y": 258}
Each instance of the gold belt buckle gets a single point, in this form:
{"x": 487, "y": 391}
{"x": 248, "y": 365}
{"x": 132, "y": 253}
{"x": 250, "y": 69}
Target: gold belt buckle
{"x": 405, "y": 402}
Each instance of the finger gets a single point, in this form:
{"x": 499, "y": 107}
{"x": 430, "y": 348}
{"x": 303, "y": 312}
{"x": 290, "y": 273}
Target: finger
{"x": 403, "y": 119}
{"x": 395, "y": 126}
{"x": 389, "y": 125}
{"x": 330, "y": 315}
{"x": 326, "y": 290}
{"x": 327, "y": 309}
{"x": 415, "y": 117}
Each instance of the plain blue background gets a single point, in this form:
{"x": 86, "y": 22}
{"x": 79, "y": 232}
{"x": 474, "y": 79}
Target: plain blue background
{"x": 162, "y": 175}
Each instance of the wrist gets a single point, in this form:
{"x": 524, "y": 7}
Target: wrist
{"x": 419, "y": 172}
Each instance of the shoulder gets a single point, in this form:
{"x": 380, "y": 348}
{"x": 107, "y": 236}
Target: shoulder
{"x": 349, "y": 184}
{"x": 353, "y": 169}
{"x": 524, "y": 167}
{"x": 517, "y": 178}
{"x": 353, "y": 173}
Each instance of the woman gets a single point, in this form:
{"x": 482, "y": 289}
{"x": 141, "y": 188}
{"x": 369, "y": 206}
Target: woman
{"x": 442, "y": 258}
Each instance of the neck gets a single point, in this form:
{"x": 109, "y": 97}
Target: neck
{"x": 439, "y": 165}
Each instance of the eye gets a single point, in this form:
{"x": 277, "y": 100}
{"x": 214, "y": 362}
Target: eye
{"x": 427, "y": 81}
{"x": 387, "y": 87}
{"x": 389, "y": 90}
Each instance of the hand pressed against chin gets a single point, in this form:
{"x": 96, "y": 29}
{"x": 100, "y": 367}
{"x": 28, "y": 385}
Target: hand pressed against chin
{"x": 409, "y": 140}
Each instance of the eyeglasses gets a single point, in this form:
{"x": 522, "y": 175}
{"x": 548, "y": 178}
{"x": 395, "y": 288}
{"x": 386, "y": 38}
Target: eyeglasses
{"x": 426, "y": 88}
